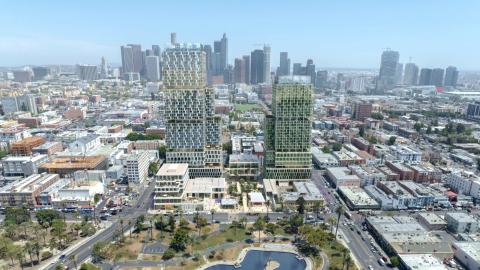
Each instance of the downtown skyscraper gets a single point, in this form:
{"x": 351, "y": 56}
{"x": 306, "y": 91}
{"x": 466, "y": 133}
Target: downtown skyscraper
{"x": 288, "y": 155}
{"x": 284, "y": 68}
{"x": 220, "y": 55}
{"x": 387, "y": 78}
{"x": 411, "y": 74}
{"x": 132, "y": 58}
{"x": 192, "y": 129}
{"x": 451, "y": 76}
{"x": 256, "y": 67}
{"x": 260, "y": 66}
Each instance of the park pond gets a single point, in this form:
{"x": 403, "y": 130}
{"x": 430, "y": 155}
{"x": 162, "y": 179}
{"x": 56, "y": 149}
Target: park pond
{"x": 258, "y": 259}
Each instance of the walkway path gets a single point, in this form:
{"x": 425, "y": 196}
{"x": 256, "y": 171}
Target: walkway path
{"x": 325, "y": 261}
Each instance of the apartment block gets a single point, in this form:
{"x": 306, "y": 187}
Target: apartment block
{"x": 287, "y": 130}
{"x": 22, "y": 165}
{"x": 170, "y": 182}
{"x": 24, "y": 147}
{"x": 137, "y": 167}
{"x": 192, "y": 128}
{"x": 25, "y": 191}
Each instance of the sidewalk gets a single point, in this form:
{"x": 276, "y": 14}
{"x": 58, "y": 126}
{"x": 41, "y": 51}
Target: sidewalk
{"x": 55, "y": 258}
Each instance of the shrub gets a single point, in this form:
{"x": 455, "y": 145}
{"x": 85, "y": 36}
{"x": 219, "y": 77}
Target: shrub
{"x": 168, "y": 254}
{"x": 46, "y": 254}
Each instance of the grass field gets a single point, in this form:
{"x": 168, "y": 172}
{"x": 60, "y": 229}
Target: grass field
{"x": 229, "y": 235}
{"x": 245, "y": 107}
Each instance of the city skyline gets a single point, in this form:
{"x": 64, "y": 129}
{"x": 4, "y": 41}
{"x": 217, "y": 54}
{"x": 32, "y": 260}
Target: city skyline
{"x": 345, "y": 35}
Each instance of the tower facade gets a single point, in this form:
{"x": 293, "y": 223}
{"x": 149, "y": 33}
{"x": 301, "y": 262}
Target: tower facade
{"x": 284, "y": 68}
{"x": 256, "y": 67}
{"x": 411, "y": 74}
{"x": 267, "y": 78}
{"x": 192, "y": 129}
{"x": 288, "y": 155}
{"x": 387, "y": 78}
{"x": 451, "y": 76}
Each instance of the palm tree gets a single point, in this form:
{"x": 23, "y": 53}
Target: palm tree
{"x": 212, "y": 212}
{"x": 73, "y": 259}
{"x": 345, "y": 254}
{"x": 268, "y": 206}
{"x": 244, "y": 221}
{"x": 160, "y": 221}
{"x": 259, "y": 225}
{"x": 339, "y": 210}
{"x": 130, "y": 227}
{"x": 348, "y": 260}
{"x": 121, "y": 225}
{"x": 36, "y": 247}
{"x": 28, "y": 248}
{"x": 332, "y": 221}
{"x": 21, "y": 257}
{"x": 150, "y": 220}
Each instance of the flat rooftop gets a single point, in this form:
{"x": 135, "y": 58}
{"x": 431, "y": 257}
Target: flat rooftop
{"x": 461, "y": 217}
{"x": 205, "y": 185}
{"x": 173, "y": 169}
{"x": 358, "y": 196}
{"x": 422, "y": 262}
{"x": 470, "y": 248}
{"x": 433, "y": 219}
{"x": 74, "y": 162}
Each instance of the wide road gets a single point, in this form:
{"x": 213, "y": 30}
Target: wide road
{"x": 140, "y": 207}
{"x": 357, "y": 240}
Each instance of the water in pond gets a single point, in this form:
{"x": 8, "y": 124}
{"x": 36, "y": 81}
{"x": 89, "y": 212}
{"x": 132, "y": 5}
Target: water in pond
{"x": 257, "y": 260}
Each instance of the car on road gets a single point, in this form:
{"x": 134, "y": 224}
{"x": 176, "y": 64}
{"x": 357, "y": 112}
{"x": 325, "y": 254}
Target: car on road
{"x": 381, "y": 262}
{"x": 370, "y": 267}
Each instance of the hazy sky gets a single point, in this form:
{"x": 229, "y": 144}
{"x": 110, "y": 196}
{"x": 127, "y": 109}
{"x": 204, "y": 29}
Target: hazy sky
{"x": 335, "y": 33}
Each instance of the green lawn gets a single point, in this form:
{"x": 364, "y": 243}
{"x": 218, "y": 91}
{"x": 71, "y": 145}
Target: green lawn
{"x": 246, "y": 107}
{"x": 327, "y": 243}
{"x": 229, "y": 235}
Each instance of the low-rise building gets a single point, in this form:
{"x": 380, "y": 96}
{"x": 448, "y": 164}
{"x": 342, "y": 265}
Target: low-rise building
{"x": 464, "y": 182}
{"x": 425, "y": 173}
{"x": 67, "y": 165}
{"x": 137, "y": 167}
{"x": 86, "y": 144}
{"x": 346, "y": 158}
{"x": 11, "y": 135}
{"x": 23, "y": 165}
{"x": 26, "y": 191}
{"x": 77, "y": 194}
{"x": 308, "y": 191}
{"x": 432, "y": 221}
{"x": 461, "y": 223}
{"x": 402, "y": 198}
{"x": 390, "y": 175}
{"x": 404, "y": 172}
{"x": 405, "y": 154}
{"x": 24, "y": 147}
{"x": 368, "y": 175}
{"x": 244, "y": 166}
{"x": 323, "y": 160}
{"x": 467, "y": 253}
{"x": 342, "y": 176}
{"x": 148, "y": 144}
{"x": 356, "y": 198}
{"x": 401, "y": 235}
{"x": 48, "y": 148}
{"x": 170, "y": 182}
{"x": 208, "y": 187}
{"x": 421, "y": 262}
